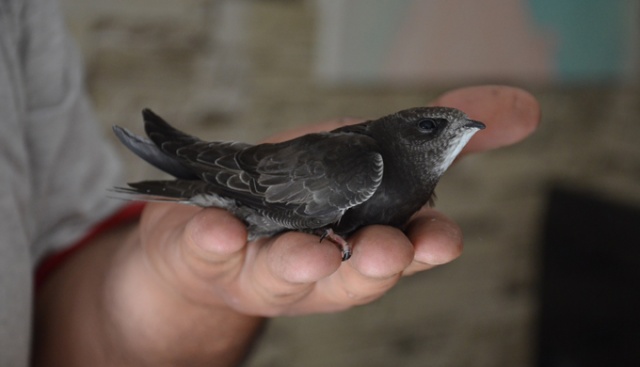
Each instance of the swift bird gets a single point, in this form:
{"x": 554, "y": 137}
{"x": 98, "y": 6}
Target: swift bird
{"x": 330, "y": 183}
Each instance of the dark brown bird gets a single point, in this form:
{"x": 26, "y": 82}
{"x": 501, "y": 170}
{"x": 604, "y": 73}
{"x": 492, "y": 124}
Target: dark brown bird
{"x": 330, "y": 183}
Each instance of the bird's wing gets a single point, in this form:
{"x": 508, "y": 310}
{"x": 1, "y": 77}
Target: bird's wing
{"x": 325, "y": 171}
{"x": 149, "y": 151}
{"x": 318, "y": 174}
{"x": 169, "y": 140}
{"x": 163, "y": 142}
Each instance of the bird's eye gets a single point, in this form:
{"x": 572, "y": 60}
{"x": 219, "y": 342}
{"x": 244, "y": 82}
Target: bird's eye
{"x": 427, "y": 125}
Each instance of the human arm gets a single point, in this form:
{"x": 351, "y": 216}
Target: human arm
{"x": 183, "y": 287}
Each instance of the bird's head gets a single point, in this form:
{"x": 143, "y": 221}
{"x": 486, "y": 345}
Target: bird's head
{"x": 434, "y": 135}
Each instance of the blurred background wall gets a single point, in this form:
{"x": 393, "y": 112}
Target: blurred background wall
{"x": 242, "y": 70}
{"x": 418, "y": 42}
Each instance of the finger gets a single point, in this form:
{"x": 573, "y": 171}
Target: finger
{"x": 282, "y": 270}
{"x": 214, "y": 235}
{"x": 380, "y": 254}
{"x": 511, "y": 114}
{"x": 202, "y": 244}
{"x": 437, "y": 240}
{"x": 297, "y": 258}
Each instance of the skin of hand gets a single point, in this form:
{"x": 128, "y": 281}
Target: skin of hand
{"x": 183, "y": 287}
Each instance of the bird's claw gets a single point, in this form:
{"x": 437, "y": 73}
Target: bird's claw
{"x": 341, "y": 242}
{"x": 346, "y": 252}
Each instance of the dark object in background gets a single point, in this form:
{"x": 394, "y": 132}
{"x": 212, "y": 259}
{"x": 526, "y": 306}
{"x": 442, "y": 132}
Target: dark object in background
{"x": 590, "y": 288}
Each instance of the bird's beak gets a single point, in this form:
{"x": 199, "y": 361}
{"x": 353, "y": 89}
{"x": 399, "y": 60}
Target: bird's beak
{"x": 475, "y": 124}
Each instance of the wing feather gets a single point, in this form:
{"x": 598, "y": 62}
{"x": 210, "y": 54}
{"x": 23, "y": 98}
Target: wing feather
{"x": 316, "y": 177}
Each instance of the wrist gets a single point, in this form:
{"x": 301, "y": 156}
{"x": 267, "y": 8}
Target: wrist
{"x": 126, "y": 215}
{"x": 155, "y": 323}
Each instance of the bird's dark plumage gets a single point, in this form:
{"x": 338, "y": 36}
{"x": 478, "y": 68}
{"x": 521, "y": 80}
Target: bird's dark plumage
{"x": 376, "y": 172}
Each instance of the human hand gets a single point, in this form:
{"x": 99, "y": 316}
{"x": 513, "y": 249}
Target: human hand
{"x": 184, "y": 287}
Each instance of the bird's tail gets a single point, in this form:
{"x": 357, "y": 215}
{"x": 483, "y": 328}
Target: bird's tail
{"x": 160, "y": 149}
{"x": 180, "y": 191}
{"x": 165, "y": 135}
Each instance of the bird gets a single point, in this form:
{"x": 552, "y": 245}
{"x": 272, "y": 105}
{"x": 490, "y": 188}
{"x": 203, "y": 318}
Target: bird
{"x": 332, "y": 183}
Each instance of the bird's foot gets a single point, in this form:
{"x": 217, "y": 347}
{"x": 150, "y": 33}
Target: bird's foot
{"x": 341, "y": 242}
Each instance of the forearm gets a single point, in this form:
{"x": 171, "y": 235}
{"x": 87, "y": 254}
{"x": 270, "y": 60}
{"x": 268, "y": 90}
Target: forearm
{"x": 107, "y": 306}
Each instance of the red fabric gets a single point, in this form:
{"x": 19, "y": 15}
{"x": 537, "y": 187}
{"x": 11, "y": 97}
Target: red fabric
{"x": 127, "y": 214}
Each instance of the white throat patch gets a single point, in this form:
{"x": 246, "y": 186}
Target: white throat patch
{"x": 455, "y": 148}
